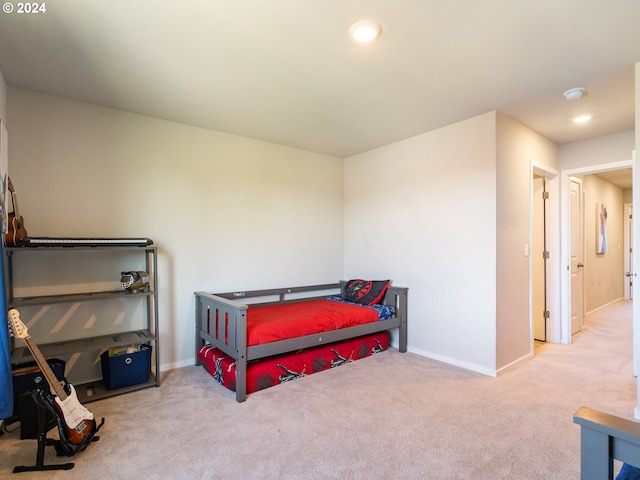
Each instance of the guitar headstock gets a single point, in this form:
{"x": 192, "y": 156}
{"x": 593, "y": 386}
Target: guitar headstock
{"x": 16, "y": 327}
{"x": 10, "y": 185}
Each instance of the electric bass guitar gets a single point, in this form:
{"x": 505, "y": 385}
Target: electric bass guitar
{"x": 76, "y": 424}
{"x": 15, "y": 223}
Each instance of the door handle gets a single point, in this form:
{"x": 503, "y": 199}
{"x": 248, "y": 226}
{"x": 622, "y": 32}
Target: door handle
{"x": 580, "y": 265}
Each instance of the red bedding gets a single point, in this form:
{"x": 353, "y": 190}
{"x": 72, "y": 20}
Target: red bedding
{"x": 271, "y": 371}
{"x": 280, "y": 322}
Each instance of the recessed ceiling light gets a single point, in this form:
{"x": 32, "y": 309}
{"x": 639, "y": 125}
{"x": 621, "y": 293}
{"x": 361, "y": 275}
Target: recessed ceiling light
{"x": 574, "y": 93}
{"x": 365, "y": 31}
{"x": 582, "y": 118}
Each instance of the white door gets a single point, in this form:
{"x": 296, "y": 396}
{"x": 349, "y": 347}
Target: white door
{"x": 538, "y": 286}
{"x": 635, "y": 245}
{"x": 628, "y": 251}
{"x": 577, "y": 265}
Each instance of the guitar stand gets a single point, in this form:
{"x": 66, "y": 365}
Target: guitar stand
{"x": 42, "y": 442}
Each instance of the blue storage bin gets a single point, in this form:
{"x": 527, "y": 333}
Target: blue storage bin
{"x": 126, "y": 369}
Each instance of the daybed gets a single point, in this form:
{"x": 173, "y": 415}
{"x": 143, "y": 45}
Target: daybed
{"x": 221, "y": 327}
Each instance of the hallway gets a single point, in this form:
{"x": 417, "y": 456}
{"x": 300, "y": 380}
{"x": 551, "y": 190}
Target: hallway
{"x": 602, "y": 350}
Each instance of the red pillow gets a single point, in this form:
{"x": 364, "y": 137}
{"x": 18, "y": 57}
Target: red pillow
{"x": 365, "y": 292}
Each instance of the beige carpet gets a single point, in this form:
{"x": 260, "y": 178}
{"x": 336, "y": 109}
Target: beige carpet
{"x": 389, "y": 416}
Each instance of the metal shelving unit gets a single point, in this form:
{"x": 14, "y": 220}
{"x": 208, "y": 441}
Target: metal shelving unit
{"x": 94, "y": 390}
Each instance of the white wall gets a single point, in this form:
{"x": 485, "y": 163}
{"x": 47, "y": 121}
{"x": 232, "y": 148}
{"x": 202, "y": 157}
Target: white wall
{"x": 423, "y": 213}
{"x": 227, "y": 213}
{"x": 3, "y": 98}
{"x": 517, "y": 148}
{"x": 603, "y": 273}
{"x": 612, "y": 148}
{"x": 446, "y": 213}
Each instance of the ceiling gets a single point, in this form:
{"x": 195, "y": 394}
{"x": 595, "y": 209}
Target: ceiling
{"x": 287, "y": 72}
{"x": 621, "y": 178}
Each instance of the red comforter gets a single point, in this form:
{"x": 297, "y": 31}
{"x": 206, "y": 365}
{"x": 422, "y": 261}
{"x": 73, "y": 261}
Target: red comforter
{"x": 271, "y": 371}
{"x": 280, "y": 322}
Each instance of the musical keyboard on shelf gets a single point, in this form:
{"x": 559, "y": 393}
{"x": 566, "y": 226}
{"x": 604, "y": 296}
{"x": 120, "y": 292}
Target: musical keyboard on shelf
{"x": 86, "y": 242}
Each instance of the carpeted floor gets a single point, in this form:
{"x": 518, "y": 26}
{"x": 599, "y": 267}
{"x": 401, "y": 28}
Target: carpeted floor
{"x": 389, "y": 416}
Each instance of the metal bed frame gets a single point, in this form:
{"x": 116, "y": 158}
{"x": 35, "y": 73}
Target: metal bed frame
{"x": 221, "y": 321}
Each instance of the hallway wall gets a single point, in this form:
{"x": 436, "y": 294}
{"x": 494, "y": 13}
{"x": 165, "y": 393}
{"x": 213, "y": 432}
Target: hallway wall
{"x": 517, "y": 147}
{"x": 604, "y": 272}
{"x": 616, "y": 147}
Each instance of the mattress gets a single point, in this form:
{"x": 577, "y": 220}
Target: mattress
{"x": 271, "y": 323}
{"x": 271, "y": 371}
{"x": 292, "y": 320}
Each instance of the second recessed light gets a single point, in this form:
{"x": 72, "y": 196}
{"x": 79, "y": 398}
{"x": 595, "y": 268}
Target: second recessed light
{"x": 582, "y": 118}
{"x": 365, "y": 31}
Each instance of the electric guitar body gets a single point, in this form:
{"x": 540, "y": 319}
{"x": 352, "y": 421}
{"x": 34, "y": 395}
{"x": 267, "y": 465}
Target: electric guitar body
{"x": 76, "y": 424}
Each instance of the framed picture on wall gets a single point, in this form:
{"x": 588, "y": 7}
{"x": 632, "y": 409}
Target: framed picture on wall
{"x": 601, "y": 228}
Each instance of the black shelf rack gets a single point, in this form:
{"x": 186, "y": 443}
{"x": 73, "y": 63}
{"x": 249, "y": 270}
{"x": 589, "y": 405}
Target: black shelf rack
{"x": 94, "y": 390}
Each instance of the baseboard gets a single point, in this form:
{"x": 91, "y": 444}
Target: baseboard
{"x": 170, "y": 366}
{"x": 455, "y": 362}
{"x": 513, "y": 364}
{"x": 605, "y": 305}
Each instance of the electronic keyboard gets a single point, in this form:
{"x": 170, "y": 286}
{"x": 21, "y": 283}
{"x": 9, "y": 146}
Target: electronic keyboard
{"x": 84, "y": 242}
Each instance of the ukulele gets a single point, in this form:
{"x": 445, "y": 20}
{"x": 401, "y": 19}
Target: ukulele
{"x": 16, "y": 231}
{"x": 76, "y": 424}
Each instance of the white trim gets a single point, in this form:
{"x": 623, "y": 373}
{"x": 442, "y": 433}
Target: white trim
{"x": 635, "y": 307}
{"x": 513, "y": 364}
{"x": 171, "y": 366}
{"x": 605, "y": 306}
{"x": 553, "y": 246}
{"x": 602, "y": 167}
{"x": 636, "y": 411}
{"x": 454, "y": 361}
{"x": 628, "y": 293}
{"x": 564, "y": 326}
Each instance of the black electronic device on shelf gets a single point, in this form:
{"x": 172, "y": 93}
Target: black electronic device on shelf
{"x": 87, "y": 242}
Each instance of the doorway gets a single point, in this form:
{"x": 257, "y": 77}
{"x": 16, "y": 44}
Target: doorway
{"x": 539, "y": 256}
{"x": 628, "y": 251}
{"x": 543, "y": 251}
{"x": 568, "y": 262}
{"x": 577, "y": 249}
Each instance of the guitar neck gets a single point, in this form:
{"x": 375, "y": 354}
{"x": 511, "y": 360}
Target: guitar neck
{"x": 54, "y": 383}
{"x": 14, "y": 200}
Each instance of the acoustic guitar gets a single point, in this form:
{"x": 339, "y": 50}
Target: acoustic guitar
{"x": 76, "y": 424}
{"x": 15, "y": 223}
